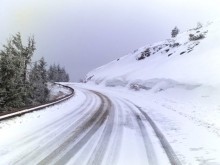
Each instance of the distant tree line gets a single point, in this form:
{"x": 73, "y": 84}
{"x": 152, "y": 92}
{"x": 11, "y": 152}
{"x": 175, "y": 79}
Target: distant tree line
{"x": 57, "y": 74}
{"x": 23, "y": 83}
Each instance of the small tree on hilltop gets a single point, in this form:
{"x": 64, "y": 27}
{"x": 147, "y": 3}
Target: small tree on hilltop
{"x": 175, "y": 32}
{"x": 199, "y": 25}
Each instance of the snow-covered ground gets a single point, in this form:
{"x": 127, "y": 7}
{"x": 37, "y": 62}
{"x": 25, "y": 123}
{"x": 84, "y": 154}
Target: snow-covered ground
{"x": 90, "y": 128}
{"x": 57, "y": 91}
{"x": 188, "y": 118}
{"x": 74, "y": 132}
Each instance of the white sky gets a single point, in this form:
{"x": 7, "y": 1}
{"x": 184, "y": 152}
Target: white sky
{"x": 84, "y": 34}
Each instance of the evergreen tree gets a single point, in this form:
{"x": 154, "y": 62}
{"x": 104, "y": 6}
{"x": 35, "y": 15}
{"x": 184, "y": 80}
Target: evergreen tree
{"x": 57, "y": 74}
{"x": 175, "y": 32}
{"x": 38, "y": 79}
{"x": 25, "y": 52}
{"x": 50, "y": 73}
{"x": 11, "y": 69}
{"x": 15, "y": 58}
{"x": 199, "y": 25}
{"x": 18, "y": 87}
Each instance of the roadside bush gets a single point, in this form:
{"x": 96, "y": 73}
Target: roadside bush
{"x": 193, "y": 37}
{"x": 144, "y": 54}
{"x": 174, "y": 45}
{"x": 137, "y": 87}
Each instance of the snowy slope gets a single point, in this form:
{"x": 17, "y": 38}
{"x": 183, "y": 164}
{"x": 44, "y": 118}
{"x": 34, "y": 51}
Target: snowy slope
{"x": 178, "y": 86}
{"x": 177, "y": 59}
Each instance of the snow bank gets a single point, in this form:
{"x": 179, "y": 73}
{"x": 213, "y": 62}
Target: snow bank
{"x": 57, "y": 91}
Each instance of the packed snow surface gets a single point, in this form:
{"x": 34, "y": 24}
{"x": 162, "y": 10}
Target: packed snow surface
{"x": 188, "y": 118}
{"x": 90, "y": 128}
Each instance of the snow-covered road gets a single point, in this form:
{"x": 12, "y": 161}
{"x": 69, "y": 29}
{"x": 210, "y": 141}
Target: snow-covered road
{"x": 91, "y": 128}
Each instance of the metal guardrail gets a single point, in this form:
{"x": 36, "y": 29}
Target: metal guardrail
{"x": 39, "y": 107}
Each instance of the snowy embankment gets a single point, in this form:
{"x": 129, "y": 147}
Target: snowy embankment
{"x": 57, "y": 91}
{"x": 178, "y": 84}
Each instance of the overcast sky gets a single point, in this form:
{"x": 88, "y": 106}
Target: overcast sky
{"x": 84, "y": 34}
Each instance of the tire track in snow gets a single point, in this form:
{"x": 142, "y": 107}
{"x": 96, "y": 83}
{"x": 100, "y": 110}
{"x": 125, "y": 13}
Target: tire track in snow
{"x": 62, "y": 154}
{"x": 100, "y": 150}
{"x": 103, "y": 121}
{"x": 174, "y": 160}
{"x": 152, "y": 158}
{"x": 103, "y": 139}
{"x": 91, "y": 151}
{"x": 113, "y": 153}
{"x": 55, "y": 135}
{"x": 48, "y": 128}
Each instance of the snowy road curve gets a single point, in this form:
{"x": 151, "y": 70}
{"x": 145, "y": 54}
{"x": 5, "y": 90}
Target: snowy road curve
{"x": 98, "y": 130}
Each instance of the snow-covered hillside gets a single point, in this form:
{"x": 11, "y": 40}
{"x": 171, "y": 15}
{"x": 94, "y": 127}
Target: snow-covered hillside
{"x": 178, "y": 60}
{"x": 179, "y": 88}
